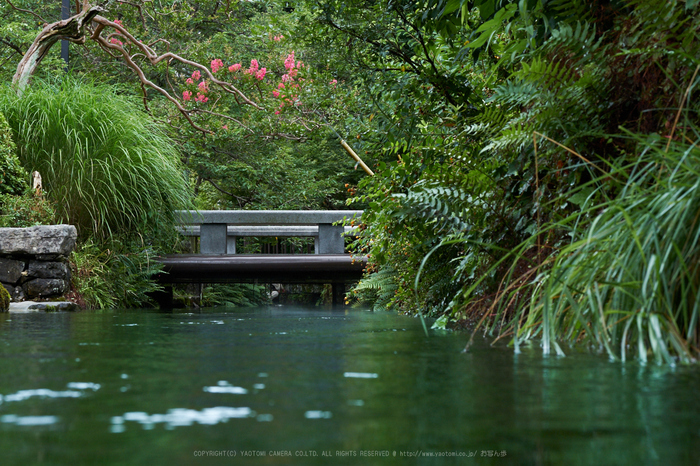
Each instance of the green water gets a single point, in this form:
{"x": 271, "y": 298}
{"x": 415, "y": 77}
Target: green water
{"x": 310, "y": 386}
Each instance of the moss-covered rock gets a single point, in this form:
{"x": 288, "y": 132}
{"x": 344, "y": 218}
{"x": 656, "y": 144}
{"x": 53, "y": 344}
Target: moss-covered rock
{"x": 13, "y": 178}
{"x": 4, "y": 299}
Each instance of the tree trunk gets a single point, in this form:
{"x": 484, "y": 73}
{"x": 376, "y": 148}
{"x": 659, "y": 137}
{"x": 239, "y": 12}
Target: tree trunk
{"x": 71, "y": 29}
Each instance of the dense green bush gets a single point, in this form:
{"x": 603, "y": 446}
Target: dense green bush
{"x": 110, "y": 168}
{"x": 26, "y": 210}
{"x": 13, "y": 178}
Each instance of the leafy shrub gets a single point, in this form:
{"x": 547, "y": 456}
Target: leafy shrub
{"x": 118, "y": 277}
{"x": 26, "y": 210}
{"x": 13, "y": 178}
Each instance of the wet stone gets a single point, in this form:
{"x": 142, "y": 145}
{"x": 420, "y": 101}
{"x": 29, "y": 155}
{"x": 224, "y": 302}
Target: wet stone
{"x": 41, "y": 269}
{"x": 45, "y": 287}
{"x": 11, "y": 270}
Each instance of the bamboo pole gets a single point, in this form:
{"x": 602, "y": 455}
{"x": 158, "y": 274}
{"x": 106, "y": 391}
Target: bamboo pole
{"x": 356, "y": 157}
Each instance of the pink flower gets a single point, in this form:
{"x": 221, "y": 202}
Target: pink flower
{"x": 289, "y": 61}
{"x": 280, "y": 86}
{"x": 203, "y": 88}
{"x": 275, "y": 94}
{"x": 201, "y": 98}
{"x": 277, "y": 112}
{"x": 189, "y": 81}
{"x": 235, "y": 67}
{"x": 118, "y": 21}
{"x": 261, "y": 74}
{"x": 115, "y": 41}
{"x": 286, "y": 78}
{"x": 253, "y": 66}
{"x": 216, "y": 65}
{"x": 224, "y": 127}
{"x": 186, "y": 95}
{"x": 196, "y": 75}
{"x": 278, "y": 38}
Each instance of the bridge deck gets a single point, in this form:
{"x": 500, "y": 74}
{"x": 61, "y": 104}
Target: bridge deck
{"x": 283, "y": 268}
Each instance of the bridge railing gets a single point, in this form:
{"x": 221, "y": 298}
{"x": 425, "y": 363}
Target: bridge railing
{"x": 219, "y": 229}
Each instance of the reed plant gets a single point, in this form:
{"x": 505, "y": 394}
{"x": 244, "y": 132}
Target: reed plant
{"x": 109, "y": 167}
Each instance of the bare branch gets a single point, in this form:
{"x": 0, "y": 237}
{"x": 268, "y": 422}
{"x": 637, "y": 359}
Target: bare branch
{"x": 12, "y": 46}
{"x": 221, "y": 115}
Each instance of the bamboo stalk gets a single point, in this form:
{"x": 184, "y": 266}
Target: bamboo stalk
{"x": 356, "y": 157}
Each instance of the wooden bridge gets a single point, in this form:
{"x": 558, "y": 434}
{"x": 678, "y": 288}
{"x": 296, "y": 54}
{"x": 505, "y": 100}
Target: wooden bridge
{"x": 219, "y": 262}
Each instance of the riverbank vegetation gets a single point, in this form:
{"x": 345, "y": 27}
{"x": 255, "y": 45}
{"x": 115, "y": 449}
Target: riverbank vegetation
{"x": 535, "y": 161}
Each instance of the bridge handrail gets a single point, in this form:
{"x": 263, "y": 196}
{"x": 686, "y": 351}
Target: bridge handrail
{"x": 218, "y": 229}
{"x": 264, "y": 217}
{"x": 281, "y": 231}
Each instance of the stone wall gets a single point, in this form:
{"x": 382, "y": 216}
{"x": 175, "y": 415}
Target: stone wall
{"x": 34, "y": 261}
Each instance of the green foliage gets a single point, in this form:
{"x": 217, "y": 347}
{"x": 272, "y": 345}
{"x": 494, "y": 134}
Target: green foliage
{"x": 108, "y": 167}
{"x": 4, "y": 299}
{"x": 629, "y": 280}
{"x": 118, "y": 277}
{"x": 13, "y": 178}
{"x": 26, "y": 210}
{"x": 235, "y": 295}
{"x": 511, "y": 172}
{"x": 378, "y": 289}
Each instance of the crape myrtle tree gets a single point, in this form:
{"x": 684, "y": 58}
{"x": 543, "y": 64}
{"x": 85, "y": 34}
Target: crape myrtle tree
{"x": 238, "y": 94}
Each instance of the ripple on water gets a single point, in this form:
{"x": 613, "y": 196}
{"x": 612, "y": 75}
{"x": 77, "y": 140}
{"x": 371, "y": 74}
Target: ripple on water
{"x": 181, "y": 417}
{"x": 361, "y": 375}
{"x": 47, "y": 393}
{"x": 318, "y": 415}
{"x": 28, "y": 420}
{"x": 223, "y": 386}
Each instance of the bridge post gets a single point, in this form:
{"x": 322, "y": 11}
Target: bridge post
{"x": 212, "y": 238}
{"x": 231, "y": 244}
{"x": 338, "y": 291}
{"x": 330, "y": 239}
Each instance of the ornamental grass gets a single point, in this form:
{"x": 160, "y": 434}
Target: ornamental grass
{"x": 111, "y": 170}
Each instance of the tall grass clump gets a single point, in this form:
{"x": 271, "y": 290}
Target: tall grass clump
{"x": 629, "y": 282}
{"x": 111, "y": 170}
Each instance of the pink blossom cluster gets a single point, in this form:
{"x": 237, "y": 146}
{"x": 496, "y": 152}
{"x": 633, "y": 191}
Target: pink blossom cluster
{"x": 114, "y": 40}
{"x": 278, "y": 38}
{"x": 255, "y": 70}
{"x": 216, "y": 65}
{"x": 289, "y": 79}
{"x": 202, "y": 86}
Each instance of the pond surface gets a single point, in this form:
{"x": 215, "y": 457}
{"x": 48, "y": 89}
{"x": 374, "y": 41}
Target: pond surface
{"x": 310, "y": 386}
